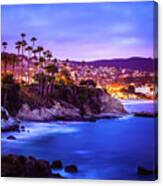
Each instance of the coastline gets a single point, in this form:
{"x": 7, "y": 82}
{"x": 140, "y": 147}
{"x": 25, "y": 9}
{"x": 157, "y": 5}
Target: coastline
{"x": 132, "y": 107}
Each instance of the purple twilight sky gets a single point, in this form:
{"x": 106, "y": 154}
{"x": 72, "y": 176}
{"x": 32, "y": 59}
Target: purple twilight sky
{"x": 83, "y": 31}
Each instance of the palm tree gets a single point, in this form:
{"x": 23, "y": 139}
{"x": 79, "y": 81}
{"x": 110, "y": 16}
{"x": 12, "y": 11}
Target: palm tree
{"x": 49, "y": 54}
{"x": 33, "y": 40}
{"x": 41, "y": 79}
{"x": 23, "y": 35}
{"x": 4, "y": 45}
{"x": 42, "y": 61}
{"x": 40, "y": 49}
{"x": 34, "y": 51}
{"x": 36, "y": 62}
{"x": 29, "y": 50}
{"x": 45, "y": 54}
{"x": 23, "y": 44}
{"x": 18, "y": 46}
{"x": 51, "y": 70}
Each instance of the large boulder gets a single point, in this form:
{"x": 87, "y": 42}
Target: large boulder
{"x": 145, "y": 172}
{"x": 71, "y": 169}
{"x": 56, "y": 164}
{"x": 11, "y": 137}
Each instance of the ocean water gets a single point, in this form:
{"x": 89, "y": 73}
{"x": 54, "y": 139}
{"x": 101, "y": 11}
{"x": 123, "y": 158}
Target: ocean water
{"x": 105, "y": 149}
{"x": 141, "y": 106}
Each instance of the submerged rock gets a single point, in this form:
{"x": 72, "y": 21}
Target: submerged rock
{"x": 11, "y": 138}
{"x": 71, "y": 168}
{"x": 145, "y": 172}
{"x": 56, "y": 164}
{"x": 22, "y": 128}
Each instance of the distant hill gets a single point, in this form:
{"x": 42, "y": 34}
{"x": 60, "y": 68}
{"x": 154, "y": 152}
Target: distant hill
{"x": 134, "y": 63}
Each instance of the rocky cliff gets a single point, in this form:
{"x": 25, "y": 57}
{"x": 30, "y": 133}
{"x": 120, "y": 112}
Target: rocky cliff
{"x": 71, "y": 103}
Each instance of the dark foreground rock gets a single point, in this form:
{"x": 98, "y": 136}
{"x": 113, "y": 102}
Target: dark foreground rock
{"x": 11, "y": 138}
{"x": 145, "y": 172}
{"x": 71, "y": 169}
{"x": 20, "y": 166}
{"x": 57, "y": 164}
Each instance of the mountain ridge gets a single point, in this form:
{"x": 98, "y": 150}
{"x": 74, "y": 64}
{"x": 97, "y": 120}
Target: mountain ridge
{"x": 133, "y": 63}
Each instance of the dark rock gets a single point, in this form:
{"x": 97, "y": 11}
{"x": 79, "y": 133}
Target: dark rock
{"x": 41, "y": 168}
{"x": 71, "y": 169}
{"x": 22, "y": 128}
{"x": 21, "y": 166}
{"x": 145, "y": 172}
{"x": 57, "y": 164}
{"x": 11, "y": 138}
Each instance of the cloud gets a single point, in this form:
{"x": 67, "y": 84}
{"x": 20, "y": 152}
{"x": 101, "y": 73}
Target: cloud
{"x": 120, "y": 28}
{"x": 127, "y": 41}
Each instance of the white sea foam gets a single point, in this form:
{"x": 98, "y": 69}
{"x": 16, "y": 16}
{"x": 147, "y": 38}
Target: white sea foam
{"x": 83, "y": 152}
{"x": 126, "y": 117}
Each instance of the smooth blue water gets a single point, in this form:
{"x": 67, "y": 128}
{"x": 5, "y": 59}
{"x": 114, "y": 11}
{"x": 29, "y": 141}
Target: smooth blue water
{"x": 105, "y": 149}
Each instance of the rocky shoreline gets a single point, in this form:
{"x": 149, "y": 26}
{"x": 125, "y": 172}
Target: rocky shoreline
{"x": 30, "y": 167}
{"x": 21, "y": 166}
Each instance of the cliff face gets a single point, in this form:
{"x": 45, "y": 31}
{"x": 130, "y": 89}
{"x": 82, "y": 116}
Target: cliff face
{"x": 109, "y": 104}
{"x": 71, "y": 103}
